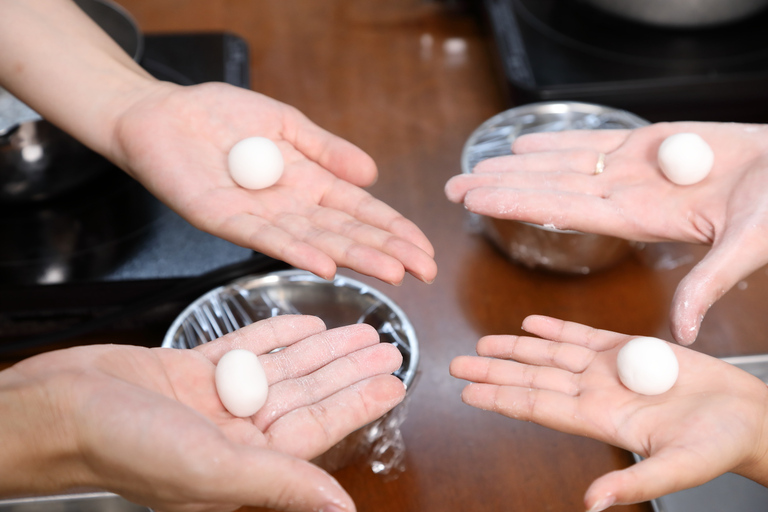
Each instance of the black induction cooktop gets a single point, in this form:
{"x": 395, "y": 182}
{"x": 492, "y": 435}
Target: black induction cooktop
{"x": 108, "y": 251}
{"x": 551, "y": 50}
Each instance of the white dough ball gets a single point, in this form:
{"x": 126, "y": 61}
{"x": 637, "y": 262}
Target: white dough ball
{"x": 241, "y": 382}
{"x": 255, "y": 163}
{"x": 685, "y": 158}
{"x": 647, "y": 366}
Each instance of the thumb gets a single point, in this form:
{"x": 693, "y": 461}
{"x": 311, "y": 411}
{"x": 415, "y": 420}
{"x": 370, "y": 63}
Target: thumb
{"x": 650, "y": 478}
{"x": 727, "y": 262}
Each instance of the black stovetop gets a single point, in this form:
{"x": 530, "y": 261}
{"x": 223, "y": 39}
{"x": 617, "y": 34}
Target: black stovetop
{"x": 565, "y": 50}
{"x": 109, "y": 249}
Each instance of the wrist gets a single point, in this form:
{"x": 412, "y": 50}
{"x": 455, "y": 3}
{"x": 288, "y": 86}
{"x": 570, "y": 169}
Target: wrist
{"x": 39, "y": 450}
{"x": 124, "y": 99}
{"x": 756, "y": 466}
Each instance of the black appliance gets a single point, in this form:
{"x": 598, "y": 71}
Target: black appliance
{"x": 554, "y": 50}
{"x": 110, "y": 255}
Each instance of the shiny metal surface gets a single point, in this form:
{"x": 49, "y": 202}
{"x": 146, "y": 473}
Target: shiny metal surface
{"x": 80, "y": 502}
{"x": 681, "y": 13}
{"x": 545, "y": 246}
{"x": 554, "y": 249}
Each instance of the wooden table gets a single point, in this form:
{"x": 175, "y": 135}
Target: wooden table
{"x": 408, "y": 81}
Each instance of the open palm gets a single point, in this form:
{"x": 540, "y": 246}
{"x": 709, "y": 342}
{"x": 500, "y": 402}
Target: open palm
{"x": 175, "y": 141}
{"x": 148, "y": 424}
{"x": 712, "y": 421}
{"x": 550, "y": 180}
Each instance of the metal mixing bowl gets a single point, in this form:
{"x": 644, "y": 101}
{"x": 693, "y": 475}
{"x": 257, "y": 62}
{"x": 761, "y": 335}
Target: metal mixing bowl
{"x": 681, "y": 13}
{"x": 338, "y": 302}
{"x": 544, "y": 246}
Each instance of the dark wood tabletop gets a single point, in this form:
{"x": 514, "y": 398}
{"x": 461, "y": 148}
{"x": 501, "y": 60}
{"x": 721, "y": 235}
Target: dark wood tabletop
{"x": 408, "y": 81}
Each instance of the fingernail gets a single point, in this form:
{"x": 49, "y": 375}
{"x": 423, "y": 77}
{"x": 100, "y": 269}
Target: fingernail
{"x": 424, "y": 279}
{"x": 602, "y": 504}
{"x": 332, "y": 508}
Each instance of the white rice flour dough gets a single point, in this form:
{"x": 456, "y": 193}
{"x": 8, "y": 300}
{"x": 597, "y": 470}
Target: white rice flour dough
{"x": 255, "y": 163}
{"x": 685, "y": 158}
{"x": 647, "y": 366}
{"x": 241, "y": 382}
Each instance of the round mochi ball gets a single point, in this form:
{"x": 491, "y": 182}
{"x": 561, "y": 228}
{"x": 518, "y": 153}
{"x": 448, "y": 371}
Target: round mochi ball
{"x": 241, "y": 382}
{"x": 685, "y": 158}
{"x": 255, "y": 163}
{"x": 647, "y": 366}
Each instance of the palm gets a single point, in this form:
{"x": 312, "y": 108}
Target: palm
{"x": 316, "y": 217}
{"x": 652, "y": 426}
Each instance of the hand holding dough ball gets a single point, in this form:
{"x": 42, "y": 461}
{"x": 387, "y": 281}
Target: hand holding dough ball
{"x": 241, "y": 383}
{"x": 647, "y": 366}
{"x": 255, "y": 163}
{"x": 685, "y": 158}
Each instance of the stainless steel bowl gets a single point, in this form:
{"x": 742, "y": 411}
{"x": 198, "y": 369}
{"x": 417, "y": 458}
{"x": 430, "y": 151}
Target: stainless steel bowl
{"x": 544, "y": 246}
{"x": 338, "y": 302}
{"x": 681, "y": 13}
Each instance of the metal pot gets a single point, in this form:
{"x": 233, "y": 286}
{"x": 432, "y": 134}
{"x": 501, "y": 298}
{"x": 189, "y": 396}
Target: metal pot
{"x": 37, "y": 160}
{"x": 681, "y": 13}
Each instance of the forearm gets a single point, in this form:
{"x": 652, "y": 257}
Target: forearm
{"x": 60, "y": 63}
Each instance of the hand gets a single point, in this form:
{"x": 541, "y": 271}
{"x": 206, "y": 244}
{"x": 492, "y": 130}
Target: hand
{"x": 148, "y": 423}
{"x": 713, "y": 420}
{"x": 550, "y": 180}
{"x": 175, "y": 140}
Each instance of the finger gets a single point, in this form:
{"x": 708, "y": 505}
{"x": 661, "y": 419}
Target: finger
{"x": 571, "y": 332}
{"x": 572, "y": 160}
{"x": 293, "y": 394}
{"x": 547, "y": 408}
{"x": 309, "y": 431}
{"x": 340, "y": 157}
{"x": 315, "y": 351}
{"x": 649, "y": 479}
{"x": 257, "y": 477}
{"x": 580, "y": 209}
{"x": 572, "y": 210}
{"x": 264, "y": 336}
{"x": 603, "y": 141}
{"x": 267, "y": 238}
{"x": 567, "y": 172}
{"x": 384, "y": 230}
{"x": 367, "y": 209}
{"x": 343, "y": 251}
{"x": 483, "y": 370}
{"x": 571, "y": 182}
{"x": 535, "y": 351}
{"x": 726, "y": 263}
